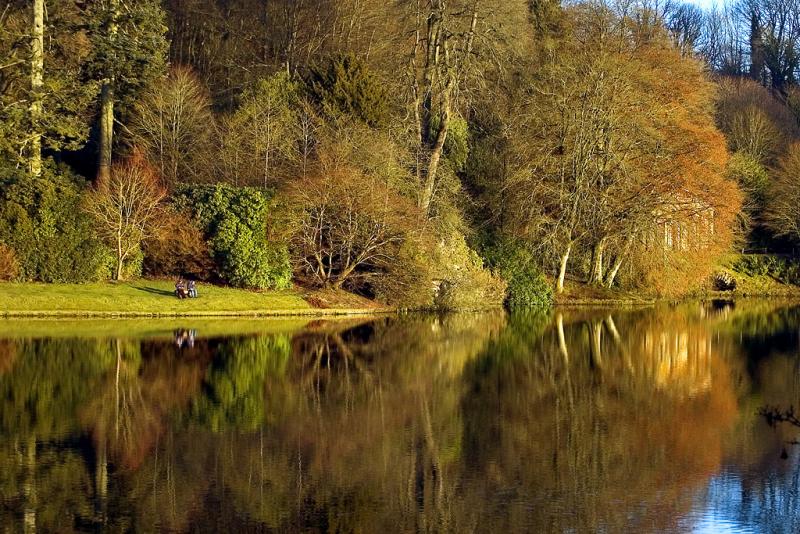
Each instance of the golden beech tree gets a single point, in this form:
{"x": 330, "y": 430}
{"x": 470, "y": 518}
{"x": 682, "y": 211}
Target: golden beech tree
{"x": 694, "y": 210}
{"x": 126, "y": 206}
{"x": 627, "y": 166}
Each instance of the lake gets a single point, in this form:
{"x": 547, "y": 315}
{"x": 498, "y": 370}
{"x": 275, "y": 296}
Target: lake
{"x": 570, "y": 421}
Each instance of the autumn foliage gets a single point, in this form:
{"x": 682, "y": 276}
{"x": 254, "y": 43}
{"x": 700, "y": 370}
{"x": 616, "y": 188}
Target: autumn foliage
{"x": 626, "y": 176}
{"x": 346, "y": 228}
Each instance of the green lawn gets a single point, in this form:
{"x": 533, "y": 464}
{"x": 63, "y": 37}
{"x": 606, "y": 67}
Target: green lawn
{"x": 142, "y": 297}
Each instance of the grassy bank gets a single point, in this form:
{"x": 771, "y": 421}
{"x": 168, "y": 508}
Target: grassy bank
{"x": 580, "y": 294}
{"x": 754, "y": 276}
{"x": 146, "y": 327}
{"x": 154, "y": 297}
{"x": 757, "y": 275}
{"x": 754, "y": 286}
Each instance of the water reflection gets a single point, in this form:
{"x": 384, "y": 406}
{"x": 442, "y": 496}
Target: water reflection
{"x": 582, "y": 421}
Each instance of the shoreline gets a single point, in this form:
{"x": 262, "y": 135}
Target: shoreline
{"x": 300, "y": 313}
{"x": 153, "y": 299}
{"x": 634, "y": 302}
{"x": 311, "y": 313}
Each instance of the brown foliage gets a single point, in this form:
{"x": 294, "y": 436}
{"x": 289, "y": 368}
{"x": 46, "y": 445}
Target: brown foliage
{"x": 623, "y": 142}
{"x": 753, "y": 119}
{"x": 346, "y": 227}
{"x": 177, "y": 249}
{"x": 8, "y": 355}
{"x": 9, "y": 267}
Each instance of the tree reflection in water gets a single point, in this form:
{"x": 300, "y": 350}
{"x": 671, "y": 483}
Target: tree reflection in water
{"x": 578, "y": 421}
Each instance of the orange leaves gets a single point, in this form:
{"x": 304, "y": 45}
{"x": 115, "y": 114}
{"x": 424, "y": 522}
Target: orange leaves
{"x": 631, "y": 154}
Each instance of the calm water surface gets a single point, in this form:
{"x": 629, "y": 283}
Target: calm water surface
{"x": 587, "y": 421}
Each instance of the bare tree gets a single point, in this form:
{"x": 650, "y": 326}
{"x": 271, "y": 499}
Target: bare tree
{"x": 783, "y": 207}
{"x": 174, "y": 125}
{"x": 346, "y": 227}
{"x": 261, "y": 137}
{"x": 753, "y": 119}
{"x": 724, "y": 41}
{"x": 774, "y": 40}
{"x": 685, "y": 24}
{"x": 307, "y": 125}
{"x": 126, "y": 207}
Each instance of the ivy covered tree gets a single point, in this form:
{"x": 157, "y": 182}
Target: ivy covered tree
{"x": 45, "y": 93}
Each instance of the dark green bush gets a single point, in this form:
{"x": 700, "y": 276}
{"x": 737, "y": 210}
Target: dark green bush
{"x": 234, "y": 221}
{"x": 41, "y": 220}
{"x": 346, "y": 86}
{"x": 527, "y": 286}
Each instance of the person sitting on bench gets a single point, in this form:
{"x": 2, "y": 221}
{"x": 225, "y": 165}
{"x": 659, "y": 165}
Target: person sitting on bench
{"x": 180, "y": 289}
{"x": 192, "y": 289}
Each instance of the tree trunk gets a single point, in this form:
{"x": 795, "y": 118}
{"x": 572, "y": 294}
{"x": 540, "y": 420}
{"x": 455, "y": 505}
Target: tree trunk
{"x": 756, "y": 48}
{"x": 596, "y": 276}
{"x": 37, "y": 81}
{"x": 438, "y": 54}
{"x": 107, "y": 107}
{"x": 436, "y": 153}
{"x": 596, "y": 352}
{"x": 106, "y": 131}
{"x": 120, "y": 259}
{"x": 612, "y": 328}
{"x": 29, "y": 487}
{"x": 612, "y": 274}
{"x": 101, "y": 479}
{"x": 562, "y": 271}
{"x": 116, "y": 388}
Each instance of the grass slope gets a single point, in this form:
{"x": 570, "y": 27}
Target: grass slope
{"x": 754, "y": 286}
{"x": 577, "y": 293}
{"x": 142, "y": 297}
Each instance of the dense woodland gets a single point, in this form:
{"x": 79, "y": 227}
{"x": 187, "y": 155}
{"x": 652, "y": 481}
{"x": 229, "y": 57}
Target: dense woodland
{"x": 444, "y": 153}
